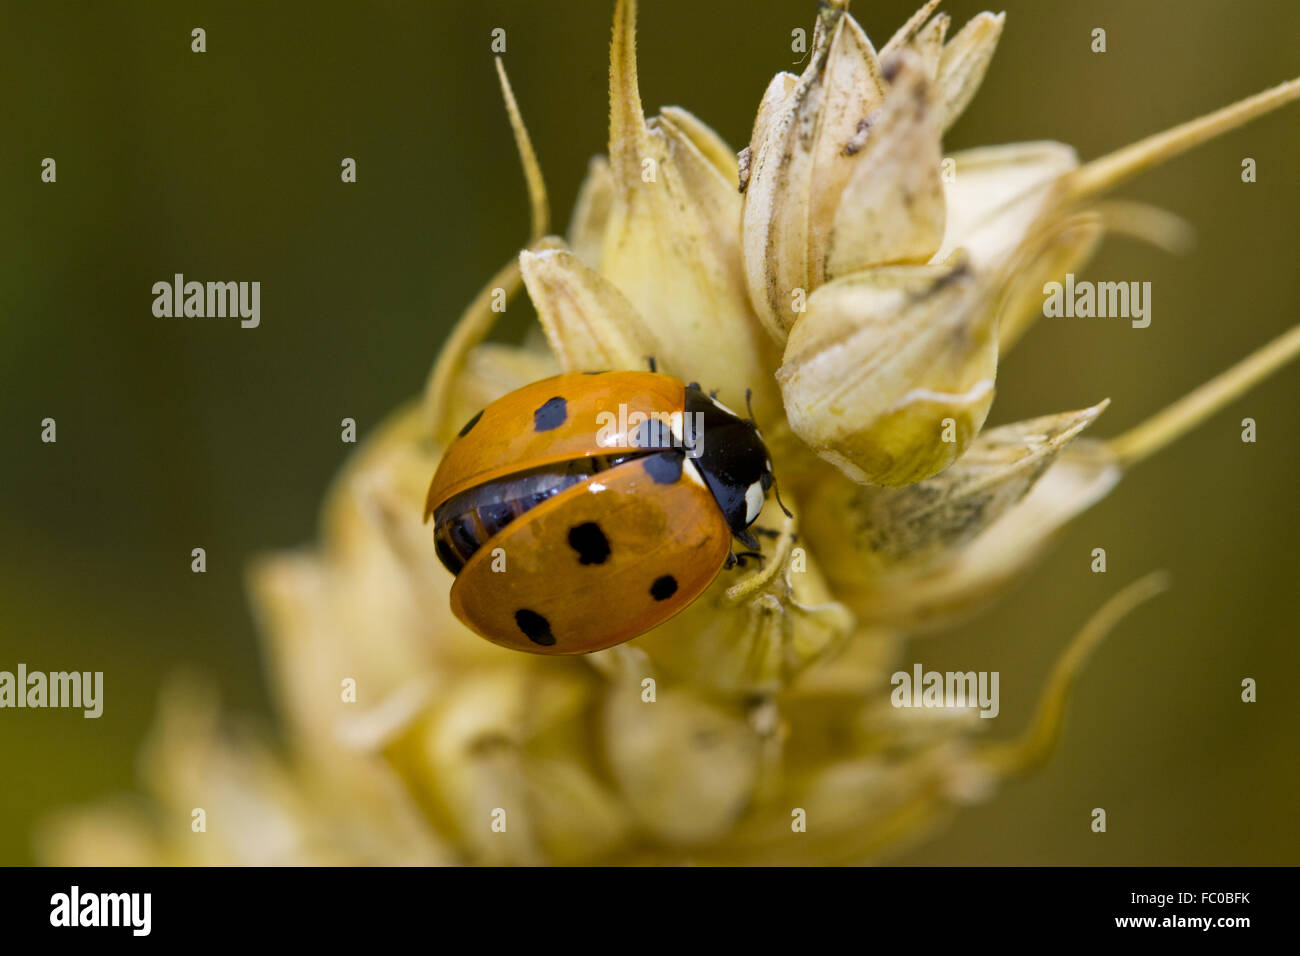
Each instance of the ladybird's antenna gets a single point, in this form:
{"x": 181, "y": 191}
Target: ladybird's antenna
{"x": 650, "y": 360}
{"x": 777, "y": 488}
{"x": 749, "y": 407}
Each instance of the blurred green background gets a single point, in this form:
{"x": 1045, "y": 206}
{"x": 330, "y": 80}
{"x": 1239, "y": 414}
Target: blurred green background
{"x": 175, "y": 434}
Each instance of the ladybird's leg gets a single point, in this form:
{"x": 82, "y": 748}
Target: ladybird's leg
{"x": 751, "y": 583}
{"x": 650, "y": 361}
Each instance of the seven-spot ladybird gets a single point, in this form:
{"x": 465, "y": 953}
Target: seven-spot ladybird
{"x": 585, "y": 509}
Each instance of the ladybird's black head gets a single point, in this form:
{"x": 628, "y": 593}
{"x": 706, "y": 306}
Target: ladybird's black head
{"x": 731, "y": 458}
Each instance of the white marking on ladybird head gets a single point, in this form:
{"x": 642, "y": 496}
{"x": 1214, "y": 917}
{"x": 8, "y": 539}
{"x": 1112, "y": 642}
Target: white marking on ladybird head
{"x": 693, "y": 473}
{"x": 753, "y": 501}
{"x": 723, "y": 407}
{"x": 675, "y": 426}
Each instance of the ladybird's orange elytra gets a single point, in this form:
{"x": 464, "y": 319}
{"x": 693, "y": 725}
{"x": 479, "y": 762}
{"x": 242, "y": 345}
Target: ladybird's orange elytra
{"x": 505, "y": 437}
{"x": 607, "y": 583}
{"x": 569, "y": 531}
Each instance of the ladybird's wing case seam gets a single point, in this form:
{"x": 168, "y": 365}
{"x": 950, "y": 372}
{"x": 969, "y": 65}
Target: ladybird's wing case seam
{"x": 554, "y": 420}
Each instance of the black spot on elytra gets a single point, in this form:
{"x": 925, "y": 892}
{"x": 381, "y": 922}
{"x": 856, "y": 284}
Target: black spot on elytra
{"x": 590, "y": 543}
{"x": 663, "y": 588}
{"x": 551, "y": 415}
{"x": 470, "y": 424}
{"x": 653, "y": 433}
{"x": 664, "y": 468}
{"x": 535, "y": 627}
